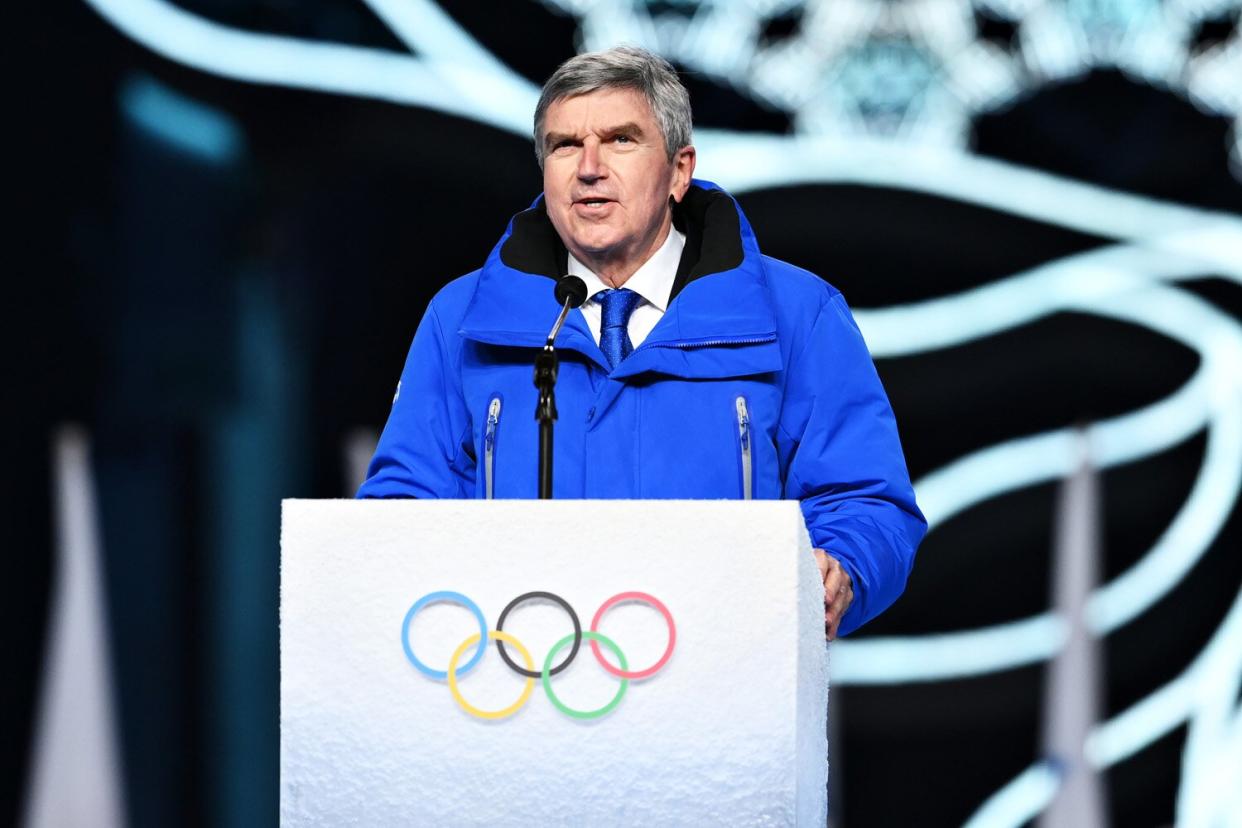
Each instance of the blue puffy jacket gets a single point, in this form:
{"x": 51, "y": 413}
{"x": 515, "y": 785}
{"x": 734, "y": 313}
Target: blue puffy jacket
{"x": 755, "y": 383}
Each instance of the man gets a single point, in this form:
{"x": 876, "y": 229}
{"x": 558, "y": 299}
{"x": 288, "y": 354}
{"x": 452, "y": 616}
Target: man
{"x": 697, "y": 368}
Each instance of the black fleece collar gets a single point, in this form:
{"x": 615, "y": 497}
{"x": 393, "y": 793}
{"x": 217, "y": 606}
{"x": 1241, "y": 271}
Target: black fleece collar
{"x": 708, "y": 217}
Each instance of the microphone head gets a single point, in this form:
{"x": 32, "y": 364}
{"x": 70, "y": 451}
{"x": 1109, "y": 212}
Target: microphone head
{"x": 570, "y": 289}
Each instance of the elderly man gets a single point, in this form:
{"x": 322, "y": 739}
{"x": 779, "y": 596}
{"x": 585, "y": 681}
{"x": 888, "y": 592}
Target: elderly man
{"x": 697, "y": 368}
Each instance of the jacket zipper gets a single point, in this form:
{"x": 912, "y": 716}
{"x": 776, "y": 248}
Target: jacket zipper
{"x": 743, "y": 434}
{"x": 711, "y": 343}
{"x": 489, "y": 446}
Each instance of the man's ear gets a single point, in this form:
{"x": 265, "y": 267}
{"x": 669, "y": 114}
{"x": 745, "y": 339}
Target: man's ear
{"x": 683, "y": 172}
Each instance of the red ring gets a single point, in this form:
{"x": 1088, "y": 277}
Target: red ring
{"x": 668, "y": 618}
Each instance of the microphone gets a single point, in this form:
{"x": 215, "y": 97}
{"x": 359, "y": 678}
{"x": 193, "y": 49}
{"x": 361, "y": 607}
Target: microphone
{"x": 570, "y": 293}
{"x": 570, "y": 290}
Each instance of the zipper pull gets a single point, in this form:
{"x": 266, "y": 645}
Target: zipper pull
{"x": 493, "y": 418}
{"x": 743, "y": 423}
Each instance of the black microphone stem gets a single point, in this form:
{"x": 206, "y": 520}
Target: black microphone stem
{"x": 545, "y": 459}
{"x": 546, "y": 366}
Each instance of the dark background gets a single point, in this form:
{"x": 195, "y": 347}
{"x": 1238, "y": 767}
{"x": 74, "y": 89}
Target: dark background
{"x": 219, "y": 328}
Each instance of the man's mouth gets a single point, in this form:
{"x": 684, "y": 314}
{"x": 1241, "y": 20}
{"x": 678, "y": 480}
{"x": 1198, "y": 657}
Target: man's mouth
{"x": 593, "y": 202}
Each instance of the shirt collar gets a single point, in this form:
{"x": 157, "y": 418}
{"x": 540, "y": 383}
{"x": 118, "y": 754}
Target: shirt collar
{"x": 653, "y": 281}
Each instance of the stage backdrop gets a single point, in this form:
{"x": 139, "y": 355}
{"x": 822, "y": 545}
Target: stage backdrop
{"x": 240, "y": 208}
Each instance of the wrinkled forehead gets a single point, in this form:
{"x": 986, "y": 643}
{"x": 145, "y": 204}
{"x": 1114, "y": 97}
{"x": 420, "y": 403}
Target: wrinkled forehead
{"x": 600, "y": 108}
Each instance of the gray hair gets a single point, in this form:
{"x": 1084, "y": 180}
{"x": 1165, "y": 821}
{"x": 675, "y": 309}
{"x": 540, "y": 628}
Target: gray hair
{"x": 622, "y": 67}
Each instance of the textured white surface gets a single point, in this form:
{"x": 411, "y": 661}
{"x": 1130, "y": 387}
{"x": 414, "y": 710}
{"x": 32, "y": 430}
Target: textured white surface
{"x": 731, "y": 731}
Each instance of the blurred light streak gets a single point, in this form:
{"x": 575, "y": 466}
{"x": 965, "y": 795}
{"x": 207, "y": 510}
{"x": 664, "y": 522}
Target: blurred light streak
{"x": 1074, "y": 680}
{"x": 943, "y": 656}
{"x": 1143, "y": 722}
{"x": 456, "y": 89}
{"x": 1215, "y": 243}
{"x": 357, "y": 448}
{"x": 75, "y": 766}
{"x": 1210, "y": 680}
{"x": 1216, "y": 488}
{"x": 1026, "y": 461}
{"x": 254, "y": 454}
{"x": 461, "y": 82}
{"x": 1212, "y": 759}
{"x": 1214, "y": 395}
{"x": 428, "y": 30}
{"x": 1019, "y": 801}
{"x": 459, "y": 60}
{"x": 1202, "y": 696}
{"x": 1206, "y": 692}
{"x": 181, "y": 122}
{"x": 1081, "y": 279}
{"x": 742, "y": 162}
{"x": 1213, "y": 78}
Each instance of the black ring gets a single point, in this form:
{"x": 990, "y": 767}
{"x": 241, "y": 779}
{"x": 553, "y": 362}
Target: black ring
{"x": 573, "y": 616}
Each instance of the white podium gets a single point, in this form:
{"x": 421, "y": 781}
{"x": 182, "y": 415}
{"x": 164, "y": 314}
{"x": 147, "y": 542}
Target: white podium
{"x": 719, "y": 723}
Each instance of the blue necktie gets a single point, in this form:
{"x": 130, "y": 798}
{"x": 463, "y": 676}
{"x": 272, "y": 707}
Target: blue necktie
{"x": 614, "y": 338}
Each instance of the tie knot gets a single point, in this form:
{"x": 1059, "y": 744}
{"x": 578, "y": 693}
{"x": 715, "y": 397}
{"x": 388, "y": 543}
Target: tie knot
{"x": 617, "y": 305}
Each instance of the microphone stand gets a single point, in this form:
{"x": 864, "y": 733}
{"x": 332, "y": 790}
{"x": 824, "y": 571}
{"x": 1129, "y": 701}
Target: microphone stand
{"x": 546, "y": 366}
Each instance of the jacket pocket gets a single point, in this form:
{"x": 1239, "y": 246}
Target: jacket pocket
{"x": 489, "y": 447}
{"x": 745, "y": 445}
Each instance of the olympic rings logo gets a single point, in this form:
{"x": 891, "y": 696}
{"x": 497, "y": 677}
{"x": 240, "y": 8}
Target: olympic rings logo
{"x": 573, "y": 641}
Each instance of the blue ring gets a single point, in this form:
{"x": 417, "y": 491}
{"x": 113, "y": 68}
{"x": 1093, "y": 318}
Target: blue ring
{"x": 431, "y": 598}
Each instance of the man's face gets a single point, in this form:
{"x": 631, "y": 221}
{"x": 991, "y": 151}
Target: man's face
{"x": 607, "y": 179}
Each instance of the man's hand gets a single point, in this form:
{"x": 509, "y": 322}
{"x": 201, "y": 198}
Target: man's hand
{"x": 838, "y": 591}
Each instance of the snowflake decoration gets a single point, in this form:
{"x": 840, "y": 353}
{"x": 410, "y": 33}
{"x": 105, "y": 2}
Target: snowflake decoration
{"x": 921, "y": 70}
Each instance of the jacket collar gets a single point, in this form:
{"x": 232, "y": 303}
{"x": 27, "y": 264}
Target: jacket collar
{"x": 717, "y": 323}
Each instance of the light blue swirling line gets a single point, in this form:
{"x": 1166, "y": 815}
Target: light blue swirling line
{"x": 458, "y": 77}
{"x": 426, "y": 28}
{"x": 1070, "y": 284}
{"x": 1019, "y": 800}
{"x": 746, "y": 161}
{"x": 180, "y": 122}
{"x": 1203, "y": 694}
{"x": 766, "y": 160}
{"x": 422, "y": 25}
{"x": 457, "y": 87}
{"x": 1215, "y": 673}
{"x": 1216, "y": 669}
{"x": 1063, "y": 285}
{"x": 474, "y": 88}
{"x": 1212, "y": 758}
{"x": 946, "y": 321}
{"x": 1209, "y": 794}
{"x": 1040, "y": 458}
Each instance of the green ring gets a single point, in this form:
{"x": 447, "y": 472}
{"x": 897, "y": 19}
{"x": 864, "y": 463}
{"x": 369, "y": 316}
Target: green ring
{"x": 547, "y": 680}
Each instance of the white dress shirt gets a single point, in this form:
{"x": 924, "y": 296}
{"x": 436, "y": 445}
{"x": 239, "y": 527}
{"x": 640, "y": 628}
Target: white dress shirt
{"x": 653, "y": 282}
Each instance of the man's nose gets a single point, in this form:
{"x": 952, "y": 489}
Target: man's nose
{"x": 590, "y": 163}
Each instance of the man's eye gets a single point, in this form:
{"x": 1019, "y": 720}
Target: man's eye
{"x": 623, "y": 139}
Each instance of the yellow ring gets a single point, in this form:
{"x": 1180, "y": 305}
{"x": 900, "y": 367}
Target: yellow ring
{"x": 494, "y": 635}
